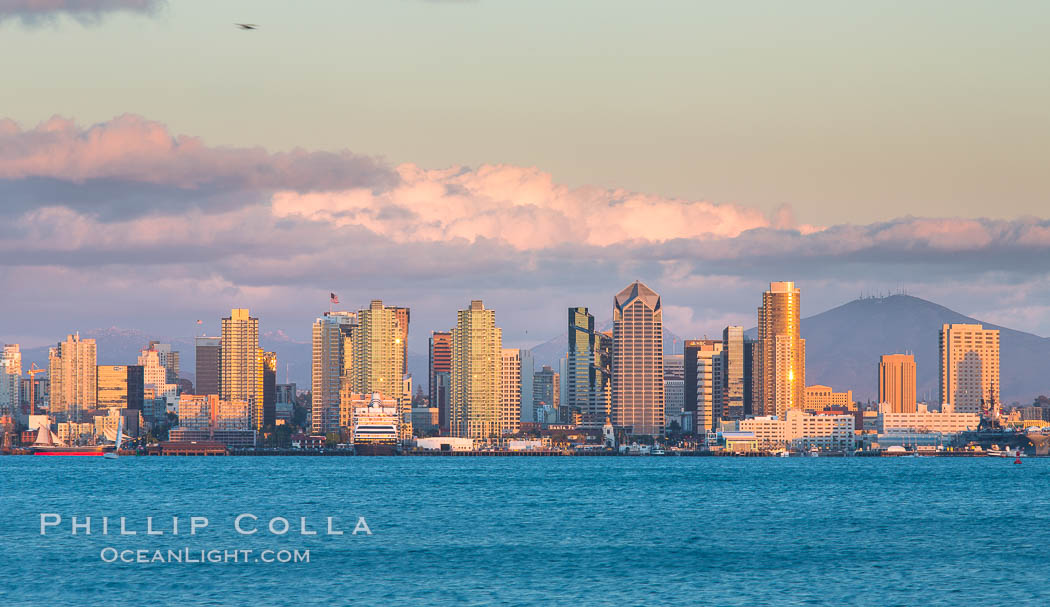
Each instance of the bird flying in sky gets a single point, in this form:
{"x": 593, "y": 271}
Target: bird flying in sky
{"x": 246, "y": 26}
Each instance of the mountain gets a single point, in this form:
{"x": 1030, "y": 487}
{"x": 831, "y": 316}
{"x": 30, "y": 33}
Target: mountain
{"x": 843, "y": 346}
{"x": 550, "y": 352}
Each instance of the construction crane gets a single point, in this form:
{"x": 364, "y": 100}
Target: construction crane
{"x": 33, "y": 370}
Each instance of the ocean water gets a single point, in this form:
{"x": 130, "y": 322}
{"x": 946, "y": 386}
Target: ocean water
{"x": 536, "y": 531}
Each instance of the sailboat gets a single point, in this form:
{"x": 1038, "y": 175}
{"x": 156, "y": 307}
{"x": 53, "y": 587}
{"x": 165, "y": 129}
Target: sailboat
{"x": 48, "y": 443}
{"x": 116, "y": 445}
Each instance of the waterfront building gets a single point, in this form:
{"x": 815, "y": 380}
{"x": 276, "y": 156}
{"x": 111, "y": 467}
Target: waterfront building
{"x": 120, "y": 387}
{"x": 780, "y": 354}
{"x": 733, "y": 374}
{"x": 241, "y": 375}
{"x": 510, "y": 391}
{"x": 803, "y": 430}
{"x": 10, "y": 379}
{"x": 819, "y": 398}
{"x": 969, "y": 369}
{"x": 949, "y": 420}
{"x": 439, "y": 375}
{"x": 332, "y": 338}
{"x": 477, "y": 345}
{"x": 897, "y": 382}
{"x": 674, "y": 388}
{"x": 207, "y": 365}
{"x": 587, "y": 379}
{"x": 638, "y": 361}
{"x": 72, "y": 370}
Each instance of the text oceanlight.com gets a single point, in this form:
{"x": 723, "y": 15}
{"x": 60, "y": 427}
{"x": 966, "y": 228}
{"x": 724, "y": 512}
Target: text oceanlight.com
{"x": 196, "y": 556}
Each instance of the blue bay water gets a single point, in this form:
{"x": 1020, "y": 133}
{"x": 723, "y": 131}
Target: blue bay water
{"x": 540, "y": 531}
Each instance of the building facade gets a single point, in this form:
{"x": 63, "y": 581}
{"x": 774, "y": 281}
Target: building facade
{"x": 510, "y": 391}
{"x": 477, "y": 352}
{"x": 439, "y": 374}
{"x": 780, "y": 354}
{"x": 969, "y": 370}
{"x": 819, "y": 398}
{"x": 332, "y": 336}
{"x": 587, "y": 379}
{"x": 897, "y": 382}
{"x": 208, "y": 365}
{"x": 72, "y": 369}
{"x": 638, "y": 361}
{"x": 732, "y": 396}
{"x": 241, "y": 375}
{"x": 10, "y": 379}
{"x": 120, "y": 387}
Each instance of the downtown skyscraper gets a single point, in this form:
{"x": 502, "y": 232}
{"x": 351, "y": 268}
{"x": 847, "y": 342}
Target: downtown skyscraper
{"x": 477, "y": 358}
{"x": 780, "y": 353}
{"x": 510, "y": 391}
{"x": 638, "y": 361}
{"x": 73, "y": 374}
{"x": 588, "y": 373}
{"x": 240, "y": 368}
{"x": 332, "y": 336}
{"x": 733, "y": 386}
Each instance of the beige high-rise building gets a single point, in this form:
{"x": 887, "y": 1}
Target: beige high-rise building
{"x": 240, "y": 368}
{"x": 477, "y": 360}
{"x": 638, "y": 361}
{"x": 332, "y": 358}
{"x": 779, "y": 379}
{"x": 970, "y": 368}
{"x": 510, "y": 392}
{"x": 378, "y": 358}
{"x": 73, "y": 374}
{"x": 897, "y": 382}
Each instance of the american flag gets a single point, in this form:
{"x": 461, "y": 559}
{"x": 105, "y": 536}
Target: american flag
{"x": 333, "y": 298}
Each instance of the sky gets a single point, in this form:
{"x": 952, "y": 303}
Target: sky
{"x": 158, "y": 165}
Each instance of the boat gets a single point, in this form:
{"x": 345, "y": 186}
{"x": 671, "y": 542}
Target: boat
{"x": 657, "y": 450}
{"x": 117, "y": 440}
{"x": 783, "y": 454}
{"x": 48, "y": 443}
{"x": 376, "y": 428}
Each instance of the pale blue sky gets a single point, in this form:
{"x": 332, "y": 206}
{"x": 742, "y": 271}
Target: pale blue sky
{"x": 848, "y": 112}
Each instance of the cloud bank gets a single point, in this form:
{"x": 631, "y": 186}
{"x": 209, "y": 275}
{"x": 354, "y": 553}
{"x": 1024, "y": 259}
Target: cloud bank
{"x": 36, "y": 12}
{"x": 136, "y": 222}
